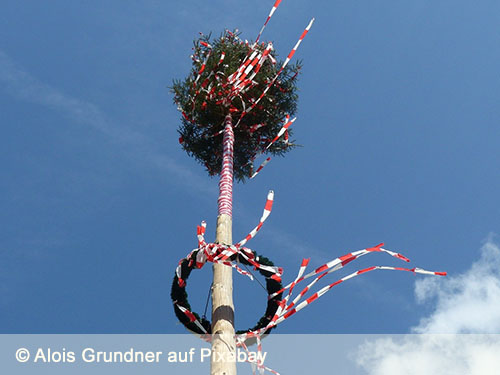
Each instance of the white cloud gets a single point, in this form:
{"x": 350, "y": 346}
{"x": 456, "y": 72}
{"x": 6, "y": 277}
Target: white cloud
{"x": 432, "y": 354}
{"x": 466, "y": 303}
{"x": 458, "y": 337}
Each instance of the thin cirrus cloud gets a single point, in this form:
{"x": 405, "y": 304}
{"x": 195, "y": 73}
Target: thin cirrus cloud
{"x": 24, "y": 86}
{"x": 459, "y": 337}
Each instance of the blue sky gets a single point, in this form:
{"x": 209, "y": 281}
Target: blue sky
{"x": 398, "y": 116}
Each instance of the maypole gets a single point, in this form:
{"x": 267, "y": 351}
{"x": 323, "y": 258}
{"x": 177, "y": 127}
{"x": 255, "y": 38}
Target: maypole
{"x": 223, "y": 341}
{"x": 237, "y": 104}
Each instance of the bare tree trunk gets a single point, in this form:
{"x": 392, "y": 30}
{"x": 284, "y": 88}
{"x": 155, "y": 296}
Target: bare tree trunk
{"x": 223, "y": 342}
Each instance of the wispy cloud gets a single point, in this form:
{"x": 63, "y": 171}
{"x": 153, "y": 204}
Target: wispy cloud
{"x": 291, "y": 244}
{"x": 466, "y": 303}
{"x": 22, "y": 85}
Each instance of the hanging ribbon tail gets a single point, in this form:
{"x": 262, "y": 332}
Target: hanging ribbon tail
{"x": 192, "y": 318}
{"x": 222, "y": 56}
{"x": 281, "y": 132}
{"x": 202, "y": 69}
{"x": 200, "y": 233}
{"x": 265, "y": 214}
{"x": 257, "y": 364}
{"x": 264, "y": 163}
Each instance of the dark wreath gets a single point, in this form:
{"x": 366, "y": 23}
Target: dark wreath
{"x": 180, "y": 297}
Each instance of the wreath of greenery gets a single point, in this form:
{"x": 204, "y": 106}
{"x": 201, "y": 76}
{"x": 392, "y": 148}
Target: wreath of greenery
{"x": 180, "y": 297}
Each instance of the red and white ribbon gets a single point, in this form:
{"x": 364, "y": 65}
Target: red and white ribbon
{"x": 282, "y": 130}
{"x": 219, "y": 253}
{"x": 225, "y": 200}
{"x": 273, "y": 9}
{"x": 191, "y": 317}
{"x": 264, "y": 163}
{"x": 267, "y": 211}
{"x": 256, "y": 127}
{"x": 285, "y": 310}
{"x": 285, "y": 63}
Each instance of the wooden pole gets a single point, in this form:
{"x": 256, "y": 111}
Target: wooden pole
{"x": 223, "y": 339}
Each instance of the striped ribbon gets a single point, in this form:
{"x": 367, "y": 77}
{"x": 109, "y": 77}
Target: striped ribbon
{"x": 285, "y": 63}
{"x": 220, "y": 253}
{"x": 282, "y": 131}
{"x": 287, "y": 309}
{"x": 273, "y": 9}
{"x": 261, "y": 166}
{"x": 225, "y": 200}
{"x": 267, "y": 211}
{"x": 257, "y": 365}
